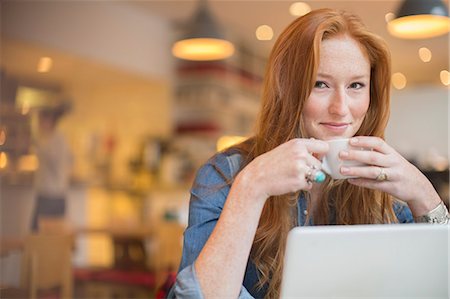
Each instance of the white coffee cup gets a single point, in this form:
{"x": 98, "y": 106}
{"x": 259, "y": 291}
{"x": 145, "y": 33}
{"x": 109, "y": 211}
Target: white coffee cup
{"x": 331, "y": 163}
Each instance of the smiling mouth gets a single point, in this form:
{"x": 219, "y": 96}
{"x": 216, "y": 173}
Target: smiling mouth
{"x": 336, "y": 126}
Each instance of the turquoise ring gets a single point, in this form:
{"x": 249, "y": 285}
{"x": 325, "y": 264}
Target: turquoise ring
{"x": 319, "y": 176}
{"x": 315, "y": 175}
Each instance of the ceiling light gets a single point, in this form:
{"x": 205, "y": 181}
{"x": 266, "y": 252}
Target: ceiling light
{"x": 399, "y": 80}
{"x": 425, "y": 54}
{"x": 420, "y": 19}
{"x": 264, "y": 32}
{"x": 44, "y": 65}
{"x": 204, "y": 39}
{"x": 299, "y": 9}
{"x": 445, "y": 77}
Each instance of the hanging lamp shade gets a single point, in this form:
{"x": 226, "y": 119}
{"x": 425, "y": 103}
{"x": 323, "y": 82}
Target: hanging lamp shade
{"x": 417, "y": 19}
{"x": 204, "y": 39}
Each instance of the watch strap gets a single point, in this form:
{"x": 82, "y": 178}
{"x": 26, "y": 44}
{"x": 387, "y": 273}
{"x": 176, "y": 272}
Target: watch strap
{"x": 438, "y": 215}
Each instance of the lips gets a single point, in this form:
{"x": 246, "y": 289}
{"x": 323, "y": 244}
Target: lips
{"x": 336, "y": 126}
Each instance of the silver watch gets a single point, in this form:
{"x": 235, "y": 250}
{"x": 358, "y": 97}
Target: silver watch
{"x": 438, "y": 215}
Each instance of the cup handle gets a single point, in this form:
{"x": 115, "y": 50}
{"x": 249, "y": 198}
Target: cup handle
{"x": 325, "y": 166}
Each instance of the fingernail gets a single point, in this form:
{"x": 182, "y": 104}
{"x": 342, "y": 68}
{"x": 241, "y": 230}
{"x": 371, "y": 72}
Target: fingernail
{"x": 344, "y": 169}
{"x": 354, "y": 140}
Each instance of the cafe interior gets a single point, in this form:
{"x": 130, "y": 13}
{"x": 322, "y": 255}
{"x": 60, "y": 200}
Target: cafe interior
{"x": 144, "y": 109}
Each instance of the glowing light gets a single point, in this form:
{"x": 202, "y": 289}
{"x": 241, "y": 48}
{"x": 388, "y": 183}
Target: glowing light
{"x": 298, "y": 9}
{"x": 44, "y": 65}
{"x": 445, "y": 77}
{"x": 25, "y": 108}
{"x": 419, "y": 26}
{"x": 3, "y": 160}
{"x": 28, "y": 163}
{"x": 202, "y": 49}
{"x": 2, "y": 135}
{"x": 225, "y": 142}
{"x": 399, "y": 81}
{"x": 425, "y": 54}
{"x": 264, "y": 32}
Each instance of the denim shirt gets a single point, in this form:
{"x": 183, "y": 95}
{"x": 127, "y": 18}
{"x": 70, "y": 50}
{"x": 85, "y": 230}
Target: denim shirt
{"x": 208, "y": 196}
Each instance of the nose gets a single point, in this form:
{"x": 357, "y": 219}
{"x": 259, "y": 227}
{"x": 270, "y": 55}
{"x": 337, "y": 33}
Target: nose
{"x": 338, "y": 103}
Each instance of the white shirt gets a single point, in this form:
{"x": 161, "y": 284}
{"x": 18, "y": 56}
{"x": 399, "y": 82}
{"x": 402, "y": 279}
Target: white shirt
{"x": 55, "y": 163}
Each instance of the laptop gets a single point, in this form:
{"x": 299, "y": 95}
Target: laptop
{"x": 367, "y": 261}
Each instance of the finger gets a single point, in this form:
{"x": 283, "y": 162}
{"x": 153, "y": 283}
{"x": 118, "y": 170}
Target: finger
{"x": 366, "y": 157}
{"x": 308, "y": 150}
{"x": 305, "y": 169}
{"x": 316, "y": 146}
{"x": 308, "y": 186}
{"x": 368, "y": 183}
{"x": 313, "y": 162}
{"x": 367, "y": 172}
{"x": 302, "y": 176}
{"x": 372, "y": 143}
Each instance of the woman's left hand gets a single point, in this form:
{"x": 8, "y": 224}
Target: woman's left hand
{"x": 388, "y": 171}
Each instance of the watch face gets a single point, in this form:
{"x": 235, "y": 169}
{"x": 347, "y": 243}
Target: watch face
{"x": 433, "y": 219}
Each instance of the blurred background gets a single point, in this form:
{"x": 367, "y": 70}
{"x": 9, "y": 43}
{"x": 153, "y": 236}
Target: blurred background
{"x": 138, "y": 122}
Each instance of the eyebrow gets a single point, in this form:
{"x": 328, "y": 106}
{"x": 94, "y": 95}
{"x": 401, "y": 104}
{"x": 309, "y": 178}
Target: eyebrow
{"x": 357, "y": 77}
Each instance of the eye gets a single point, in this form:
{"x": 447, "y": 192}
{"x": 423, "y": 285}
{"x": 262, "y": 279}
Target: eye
{"x": 357, "y": 85}
{"x": 320, "y": 84}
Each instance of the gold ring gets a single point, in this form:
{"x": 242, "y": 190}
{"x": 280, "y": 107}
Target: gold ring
{"x": 382, "y": 176}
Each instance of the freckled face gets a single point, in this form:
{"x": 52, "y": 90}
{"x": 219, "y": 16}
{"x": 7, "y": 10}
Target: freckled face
{"x": 340, "y": 98}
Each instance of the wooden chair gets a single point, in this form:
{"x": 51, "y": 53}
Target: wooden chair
{"x": 53, "y": 225}
{"x": 47, "y": 264}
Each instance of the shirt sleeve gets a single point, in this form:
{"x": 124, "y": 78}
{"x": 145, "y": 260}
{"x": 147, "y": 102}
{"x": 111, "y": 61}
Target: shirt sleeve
{"x": 187, "y": 286}
{"x": 403, "y": 213}
{"x": 208, "y": 196}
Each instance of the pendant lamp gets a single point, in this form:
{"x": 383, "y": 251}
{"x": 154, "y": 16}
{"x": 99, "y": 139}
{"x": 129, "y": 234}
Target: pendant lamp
{"x": 204, "y": 39}
{"x": 418, "y": 19}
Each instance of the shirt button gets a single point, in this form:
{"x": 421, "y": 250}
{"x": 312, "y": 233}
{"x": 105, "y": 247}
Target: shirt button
{"x": 305, "y": 212}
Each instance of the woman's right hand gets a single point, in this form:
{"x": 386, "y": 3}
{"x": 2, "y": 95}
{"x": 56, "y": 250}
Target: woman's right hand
{"x": 285, "y": 168}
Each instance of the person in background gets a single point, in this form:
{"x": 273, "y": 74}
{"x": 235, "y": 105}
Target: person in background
{"x": 55, "y": 164}
{"x": 327, "y": 78}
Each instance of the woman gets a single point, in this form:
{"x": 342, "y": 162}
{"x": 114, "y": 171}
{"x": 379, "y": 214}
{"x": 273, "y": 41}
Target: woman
{"x": 327, "y": 78}
{"x": 55, "y": 163}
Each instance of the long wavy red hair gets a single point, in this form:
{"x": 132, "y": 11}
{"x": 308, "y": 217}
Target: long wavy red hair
{"x": 290, "y": 77}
